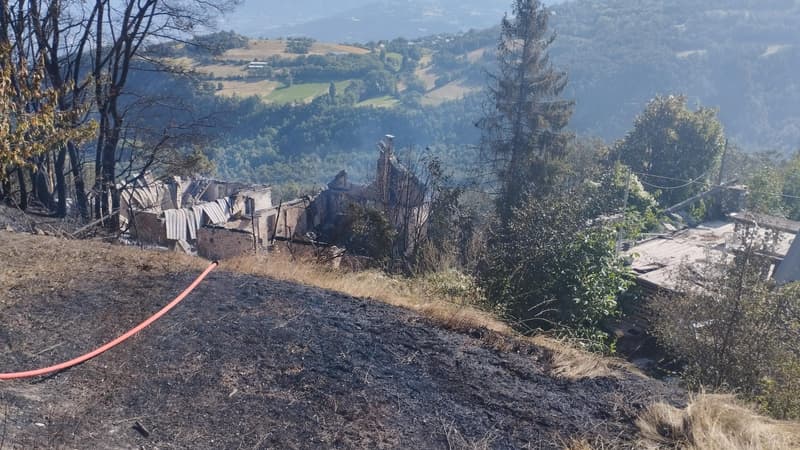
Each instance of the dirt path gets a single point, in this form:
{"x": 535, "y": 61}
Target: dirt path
{"x": 248, "y": 362}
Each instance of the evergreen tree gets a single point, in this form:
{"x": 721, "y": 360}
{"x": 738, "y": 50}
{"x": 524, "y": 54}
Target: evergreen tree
{"x": 524, "y": 133}
{"x": 332, "y": 92}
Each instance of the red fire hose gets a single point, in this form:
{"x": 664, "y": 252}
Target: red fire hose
{"x": 115, "y": 342}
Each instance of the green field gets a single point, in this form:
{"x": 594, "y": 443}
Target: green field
{"x": 387, "y": 101}
{"x": 303, "y": 93}
{"x": 394, "y": 60}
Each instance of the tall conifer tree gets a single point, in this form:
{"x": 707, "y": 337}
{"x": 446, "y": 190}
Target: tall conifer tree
{"x": 524, "y": 131}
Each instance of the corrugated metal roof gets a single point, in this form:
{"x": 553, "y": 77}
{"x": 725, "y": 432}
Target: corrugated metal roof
{"x": 176, "y": 224}
{"x": 198, "y": 216}
{"x": 659, "y": 260}
{"x": 191, "y": 224}
{"x": 225, "y": 205}
{"x": 146, "y": 197}
{"x": 214, "y": 212}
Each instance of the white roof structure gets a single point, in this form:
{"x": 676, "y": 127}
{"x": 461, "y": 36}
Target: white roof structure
{"x": 657, "y": 262}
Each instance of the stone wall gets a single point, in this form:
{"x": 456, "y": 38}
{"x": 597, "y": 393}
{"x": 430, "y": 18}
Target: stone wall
{"x": 221, "y": 243}
{"x": 294, "y": 219}
{"x": 149, "y": 228}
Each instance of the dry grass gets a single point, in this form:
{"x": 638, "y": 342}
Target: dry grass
{"x": 451, "y": 91}
{"x": 586, "y": 444}
{"x": 261, "y": 88}
{"x": 578, "y": 444}
{"x": 40, "y": 263}
{"x": 570, "y": 363}
{"x": 476, "y": 55}
{"x": 457, "y": 441}
{"x": 368, "y": 284}
{"x": 427, "y": 76}
{"x": 265, "y": 48}
{"x": 220, "y": 70}
{"x": 714, "y": 422}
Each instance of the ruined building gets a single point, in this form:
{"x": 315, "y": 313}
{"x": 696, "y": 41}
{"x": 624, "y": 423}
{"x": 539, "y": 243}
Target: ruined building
{"x": 220, "y": 220}
{"x": 396, "y": 191}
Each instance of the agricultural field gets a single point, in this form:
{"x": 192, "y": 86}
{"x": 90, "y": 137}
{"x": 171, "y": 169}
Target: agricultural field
{"x": 260, "y": 88}
{"x": 302, "y": 93}
{"x": 386, "y": 101}
{"x": 263, "y": 49}
{"x": 450, "y": 91}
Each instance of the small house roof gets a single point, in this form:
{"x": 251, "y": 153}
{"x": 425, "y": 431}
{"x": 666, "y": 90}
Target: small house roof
{"x": 658, "y": 261}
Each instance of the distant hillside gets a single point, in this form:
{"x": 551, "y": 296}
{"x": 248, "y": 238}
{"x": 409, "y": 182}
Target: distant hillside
{"x": 739, "y": 56}
{"x": 235, "y": 75}
{"x": 273, "y": 71}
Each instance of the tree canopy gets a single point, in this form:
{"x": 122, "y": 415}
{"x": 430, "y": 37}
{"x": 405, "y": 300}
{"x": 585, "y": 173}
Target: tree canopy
{"x": 673, "y": 148}
{"x": 31, "y": 122}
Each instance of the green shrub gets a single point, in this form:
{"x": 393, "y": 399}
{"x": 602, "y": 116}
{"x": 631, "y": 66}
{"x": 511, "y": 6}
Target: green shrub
{"x": 554, "y": 268}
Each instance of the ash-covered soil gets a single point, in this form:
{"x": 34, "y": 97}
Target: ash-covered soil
{"x": 249, "y": 362}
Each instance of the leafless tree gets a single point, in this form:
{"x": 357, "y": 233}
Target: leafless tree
{"x": 89, "y": 51}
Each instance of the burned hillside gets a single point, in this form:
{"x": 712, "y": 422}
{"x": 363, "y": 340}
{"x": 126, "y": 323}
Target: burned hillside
{"x": 264, "y": 363}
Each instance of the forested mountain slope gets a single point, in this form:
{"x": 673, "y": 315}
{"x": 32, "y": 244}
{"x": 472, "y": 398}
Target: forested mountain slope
{"x": 739, "y": 56}
{"x": 363, "y": 20}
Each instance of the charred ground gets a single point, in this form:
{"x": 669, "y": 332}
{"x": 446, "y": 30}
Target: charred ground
{"x": 253, "y": 362}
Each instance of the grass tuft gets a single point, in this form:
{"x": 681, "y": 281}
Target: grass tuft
{"x": 711, "y": 422}
{"x": 570, "y": 363}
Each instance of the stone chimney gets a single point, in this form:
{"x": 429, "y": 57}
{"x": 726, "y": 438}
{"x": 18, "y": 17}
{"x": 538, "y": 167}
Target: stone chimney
{"x": 382, "y": 182}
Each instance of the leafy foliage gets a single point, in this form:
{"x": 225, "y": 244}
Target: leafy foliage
{"x": 451, "y": 225}
{"x": 31, "y": 121}
{"x": 301, "y": 45}
{"x": 669, "y": 143}
{"x": 550, "y": 264}
{"x": 764, "y": 183}
{"x": 369, "y": 233}
{"x": 553, "y": 266}
{"x": 524, "y": 130}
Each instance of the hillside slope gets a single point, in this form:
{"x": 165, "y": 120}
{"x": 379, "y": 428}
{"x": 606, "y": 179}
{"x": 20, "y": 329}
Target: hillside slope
{"x": 739, "y": 56}
{"x": 261, "y": 363}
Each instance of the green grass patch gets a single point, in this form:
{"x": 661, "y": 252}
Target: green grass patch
{"x": 394, "y": 61}
{"x": 387, "y": 101}
{"x": 303, "y": 92}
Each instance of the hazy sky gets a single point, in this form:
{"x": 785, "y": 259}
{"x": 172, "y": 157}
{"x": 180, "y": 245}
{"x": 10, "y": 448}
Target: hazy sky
{"x": 269, "y": 18}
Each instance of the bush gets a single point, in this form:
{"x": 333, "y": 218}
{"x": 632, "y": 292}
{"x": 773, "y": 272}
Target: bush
{"x": 300, "y": 46}
{"x": 553, "y": 267}
{"x": 453, "y": 286}
{"x": 780, "y": 392}
{"x": 368, "y": 233}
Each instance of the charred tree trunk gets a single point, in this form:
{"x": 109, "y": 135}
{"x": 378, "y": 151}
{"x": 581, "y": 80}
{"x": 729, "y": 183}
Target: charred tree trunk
{"x": 61, "y": 182}
{"x": 23, "y": 190}
{"x": 81, "y": 201}
{"x": 41, "y": 188}
{"x": 98, "y": 170}
{"x": 110, "y": 196}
